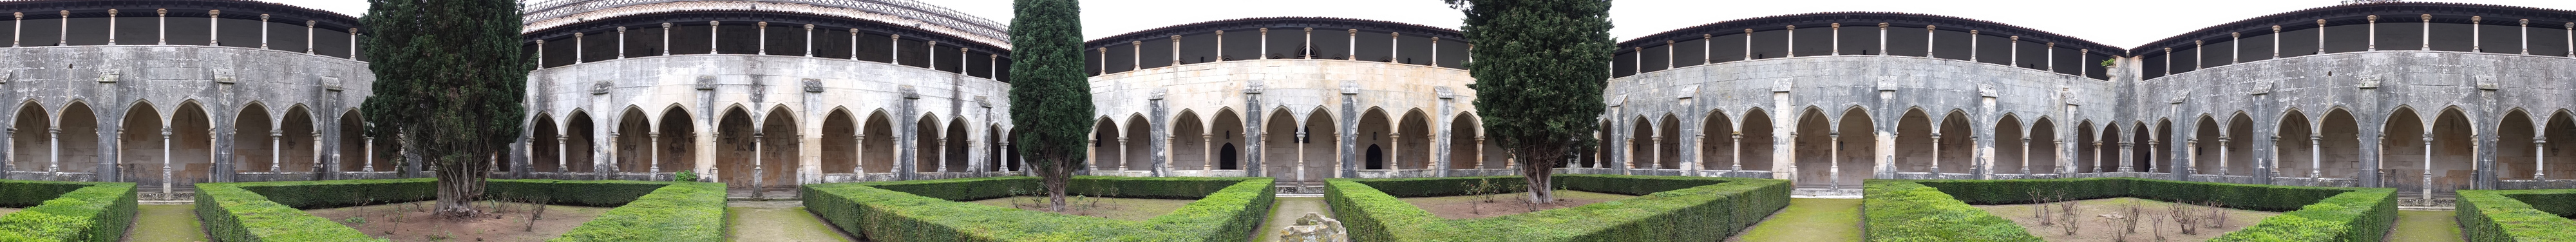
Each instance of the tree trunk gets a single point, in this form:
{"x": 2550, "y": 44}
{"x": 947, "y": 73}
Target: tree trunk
{"x": 1055, "y": 176}
{"x": 1539, "y": 170}
{"x": 460, "y": 182}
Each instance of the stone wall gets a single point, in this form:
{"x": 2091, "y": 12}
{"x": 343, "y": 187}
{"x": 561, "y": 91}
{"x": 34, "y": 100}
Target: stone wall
{"x": 219, "y": 106}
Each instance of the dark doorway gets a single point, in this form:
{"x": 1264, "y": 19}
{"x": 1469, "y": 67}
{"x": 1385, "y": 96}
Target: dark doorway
{"x": 1225, "y": 157}
{"x": 1376, "y": 158}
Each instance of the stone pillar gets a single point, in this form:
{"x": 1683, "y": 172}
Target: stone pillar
{"x": 18, "y": 27}
{"x": 2235, "y": 47}
{"x": 2374, "y": 32}
{"x": 318, "y": 166}
{"x": 809, "y": 40}
{"x": 756, "y": 169}
{"x": 1176, "y": 50}
{"x": 2014, "y": 49}
{"x": 653, "y": 150}
{"x": 1927, "y": 40}
{"x": 1308, "y": 51}
{"x": 2276, "y": 41}
{"x": 370, "y": 161}
{"x": 2428, "y": 166}
{"x": 165, "y": 158}
{"x": 1353, "y": 48}
{"x": 1838, "y": 40}
{"x": 1882, "y": 39}
{"x": 1655, "y": 152}
{"x": 2128, "y": 152}
{"x": 2222, "y": 155}
{"x": 263, "y": 28}
{"x": 560, "y": 146}
{"x": 276, "y": 150}
{"x": 854, "y": 44}
{"x": 1207, "y": 152}
{"x": 711, "y": 45}
{"x": 111, "y": 26}
{"x": 1748, "y": 44}
{"x": 943, "y": 156}
{"x": 1793, "y": 41}
{"x": 2152, "y": 147}
{"x": 2427, "y": 42}
{"x": 1834, "y": 160}
{"x": 1301, "y": 155}
{"x": 1123, "y": 156}
{"x": 2192, "y": 148}
{"x": 666, "y": 38}
{"x": 2025, "y": 155}
{"x": 308, "y": 35}
{"x": 2526, "y": 37}
{"x": 2197, "y": 53}
{"x": 859, "y": 165}
{"x": 2316, "y": 156}
{"x": 1972, "y": 48}
{"x": 621, "y": 46}
{"x": 2169, "y": 61}
{"x": 1936, "y": 153}
{"x": 1735, "y": 152}
{"x": 1265, "y": 45}
{"x": 2321, "y": 36}
{"x": 2104, "y": 149}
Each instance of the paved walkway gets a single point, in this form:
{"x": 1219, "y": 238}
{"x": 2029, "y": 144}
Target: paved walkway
{"x": 779, "y": 224}
{"x": 2428, "y": 226}
{"x": 155, "y": 223}
{"x": 1809, "y": 219}
{"x": 1285, "y": 213}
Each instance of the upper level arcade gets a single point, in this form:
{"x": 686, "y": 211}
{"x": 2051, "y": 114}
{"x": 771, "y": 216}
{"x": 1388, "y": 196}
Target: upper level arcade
{"x": 2379, "y": 26}
{"x": 224, "y": 23}
{"x": 900, "y": 32}
{"x": 1278, "y": 38}
{"x": 1862, "y": 33}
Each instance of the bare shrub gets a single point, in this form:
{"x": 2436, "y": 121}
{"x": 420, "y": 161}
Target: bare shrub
{"x": 2040, "y": 212}
{"x": 2183, "y": 217}
{"x": 2066, "y": 213}
{"x": 2217, "y": 214}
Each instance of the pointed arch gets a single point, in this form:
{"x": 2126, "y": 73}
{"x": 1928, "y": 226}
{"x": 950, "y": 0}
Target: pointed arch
{"x": 674, "y": 143}
{"x": 1373, "y": 128}
{"x": 1958, "y": 150}
{"x": 1280, "y": 144}
{"x": 1668, "y": 152}
{"x": 579, "y": 142}
{"x": 1413, "y": 150}
{"x": 141, "y": 150}
{"x": 877, "y": 142}
{"x": 300, "y": 141}
{"x": 545, "y": 153}
{"x": 1226, "y": 132}
{"x": 1106, "y": 152}
{"x": 2083, "y": 158}
{"x": 2559, "y": 157}
{"x": 1139, "y": 143}
{"x": 839, "y": 135}
{"x": 2108, "y": 148}
{"x": 2514, "y": 159}
{"x": 958, "y": 144}
{"x": 779, "y": 148}
{"x": 2239, "y": 140}
{"x": 1717, "y": 142}
{"x": 1640, "y": 143}
{"x": 2297, "y": 154}
{"x": 1814, "y": 152}
{"x": 734, "y": 131}
{"x": 1190, "y": 140}
{"x": 1855, "y": 147}
{"x": 192, "y": 138}
{"x": 1322, "y": 146}
{"x": 926, "y": 145}
{"x": 2339, "y": 144}
{"x": 1914, "y": 146}
{"x": 2205, "y": 145}
{"x": 2011, "y": 146}
{"x": 2044, "y": 146}
{"x": 252, "y": 142}
{"x": 1758, "y": 144}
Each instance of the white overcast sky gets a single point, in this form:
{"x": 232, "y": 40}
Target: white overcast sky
{"x": 2116, "y": 23}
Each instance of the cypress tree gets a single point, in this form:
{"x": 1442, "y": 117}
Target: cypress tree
{"x": 1539, "y": 75}
{"x": 1050, "y": 98}
{"x": 450, "y": 84}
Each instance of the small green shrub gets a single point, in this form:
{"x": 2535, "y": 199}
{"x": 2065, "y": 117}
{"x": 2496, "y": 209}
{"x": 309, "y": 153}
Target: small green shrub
{"x": 1669, "y": 209}
{"x": 679, "y": 211}
{"x": 1227, "y": 209}
{"x": 89, "y": 211}
{"x": 685, "y": 176}
{"x": 1907, "y": 211}
{"x": 1904, "y": 210}
{"x": 2516, "y": 215}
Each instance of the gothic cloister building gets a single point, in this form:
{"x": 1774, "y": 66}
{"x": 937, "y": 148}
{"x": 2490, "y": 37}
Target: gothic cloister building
{"x": 2429, "y": 97}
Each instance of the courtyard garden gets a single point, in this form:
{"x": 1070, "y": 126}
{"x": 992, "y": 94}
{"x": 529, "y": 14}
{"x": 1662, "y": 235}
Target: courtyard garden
{"x": 1664, "y": 208}
{"x": 2122, "y": 209}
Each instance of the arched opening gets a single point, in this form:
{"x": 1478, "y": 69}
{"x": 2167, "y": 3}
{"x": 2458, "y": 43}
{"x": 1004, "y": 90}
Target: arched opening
{"x": 1139, "y": 152}
{"x": 634, "y": 144}
{"x": 1815, "y": 151}
{"x": 1914, "y": 147}
{"x": 996, "y": 158}
{"x": 1668, "y": 143}
{"x": 1372, "y": 133}
{"x": 1464, "y": 150}
{"x": 544, "y": 153}
{"x": 2454, "y": 151}
{"x": 1105, "y": 144}
{"x": 1856, "y": 148}
{"x": 1225, "y": 157}
{"x": 1717, "y": 146}
{"x": 1958, "y": 150}
{"x": 734, "y": 148}
{"x": 2108, "y": 149}
{"x": 1376, "y": 158}
{"x": 925, "y": 144}
{"x": 2204, "y": 147}
{"x": 1641, "y": 144}
{"x": 957, "y": 143}
{"x": 673, "y": 151}
{"x": 2085, "y": 149}
{"x": 1226, "y": 131}
{"x": 2043, "y": 147}
{"x": 2009, "y": 144}
{"x": 1280, "y": 146}
{"x": 2165, "y": 147}
{"x": 139, "y": 161}
{"x": 877, "y": 144}
{"x": 2142, "y": 155}
{"x": 1323, "y": 146}
{"x": 1415, "y": 151}
{"x": 301, "y": 142}
{"x": 1758, "y": 143}
{"x": 79, "y": 137}
{"x": 30, "y": 148}
{"x": 2559, "y": 158}
{"x": 580, "y": 146}
{"x": 779, "y": 161}
{"x": 840, "y": 137}
{"x": 2340, "y": 145}
{"x": 252, "y": 140}
{"x": 2296, "y": 152}
{"x": 2513, "y": 156}
{"x": 192, "y": 134}
{"x": 2240, "y": 146}
{"x": 1190, "y": 140}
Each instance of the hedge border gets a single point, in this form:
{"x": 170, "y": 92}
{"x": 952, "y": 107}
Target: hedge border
{"x": 1228, "y": 209}
{"x": 1894, "y": 209}
{"x": 272, "y": 211}
{"x": 1669, "y": 208}
{"x": 2517, "y": 215}
{"x": 67, "y": 211}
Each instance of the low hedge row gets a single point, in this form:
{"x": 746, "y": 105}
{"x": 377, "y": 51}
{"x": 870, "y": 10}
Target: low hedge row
{"x": 1897, "y": 209}
{"x": 1228, "y": 209}
{"x": 646, "y": 210}
{"x": 2517, "y": 215}
{"x": 87, "y": 211}
{"x": 1685, "y": 208}
{"x": 676, "y": 211}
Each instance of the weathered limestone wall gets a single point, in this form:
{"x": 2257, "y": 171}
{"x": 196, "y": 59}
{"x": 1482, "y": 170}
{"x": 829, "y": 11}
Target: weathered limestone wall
{"x": 2389, "y": 97}
{"x": 196, "y": 94}
{"x": 1358, "y": 103}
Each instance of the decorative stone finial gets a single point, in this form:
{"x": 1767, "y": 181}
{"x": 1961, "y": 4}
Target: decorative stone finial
{"x": 111, "y": 11}
{"x": 163, "y": 12}
{"x": 1882, "y": 25}
{"x": 2374, "y": 18}
{"x": 2276, "y": 29}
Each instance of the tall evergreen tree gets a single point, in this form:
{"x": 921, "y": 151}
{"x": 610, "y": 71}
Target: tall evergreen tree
{"x": 1539, "y": 70}
{"x": 450, "y": 85}
{"x": 1050, "y": 99}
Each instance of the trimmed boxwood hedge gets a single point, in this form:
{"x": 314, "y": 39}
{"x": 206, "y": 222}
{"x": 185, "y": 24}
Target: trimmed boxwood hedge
{"x": 2517, "y": 215}
{"x": 646, "y": 210}
{"x": 1670, "y": 208}
{"x": 66, "y": 211}
{"x": 1228, "y": 209}
{"x": 1902, "y": 210}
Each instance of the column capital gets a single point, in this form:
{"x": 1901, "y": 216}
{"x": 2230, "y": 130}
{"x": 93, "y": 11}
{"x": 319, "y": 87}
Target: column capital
{"x": 2374, "y": 18}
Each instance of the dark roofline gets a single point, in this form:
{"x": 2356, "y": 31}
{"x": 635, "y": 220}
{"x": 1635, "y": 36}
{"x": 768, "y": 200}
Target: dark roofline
{"x": 701, "y": 16}
{"x": 233, "y": 9}
{"x": 2353, "y": 13}
{"x": 1866, "y": 19}
{"x": 1276, "y": 22}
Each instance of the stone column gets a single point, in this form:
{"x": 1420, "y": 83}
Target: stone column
{"x": 1301, "y": 155}
{"x": 2428, "y": 166}
{"x": 1748, "y": 44}
{"x": 854, "y": 44}
{"x": 756, "y": 169}
{"x": 1927, "y": 40}
{"x": 1654, "y": 152}
{"x": 809, "y": 40}
{"x": 1353, "y": 48}
{"x": 1882, "y": 41}
{"x": 1122, "y": 154}
{"x": 2197, "y": 53}
{"x": 1735, "y": 152}
{"x": 1793, "y": 41}
{"x": 1936, "y": 153}
{"x": 1265, "y": 45}
{"x": 1837, "y": 28}
{"x": 1479, "y": 156}
{"x": 761, "y": 43}
{"x": 2526, "y": 37}
{"x": 165, "y": 159}
{"x": 2374, "y": 32}
{"x": 2235, "y": 47}
{"x": 111, "y": 26}
{"x": 1207, "y": 152}
{"x": 263, "y": 28}
{"x": 621, "y": 48}
{"x": 318, "y": 166}
{"x": 2222, "y": 155}
{"x": 2192, "y": 147}
{"x": 711, "y": 46}
{"x": 2276, "y": 42}
{"x": 666, "y": 38}
{"x": 2321, "y": 36}
{"x": 560, "y": 146}
{"x": 1308, "y": 51}
{"x": 1395, "y": 151}
{"x": 18, "y": 27}
{"x": 370, "y": 161}
{"x": 2025, "y": 155}
{"x": 2104, "y": 149}
{"x": 276, "y": 150}
{"x": 653, "y": 151}
{"x": 2539, "y": 152}
{"x": 2128, "y": 152}
{"x": 1833, "y": 161}
{"x": 2014, "y": 49}
{"x": 2152, "y": 147}
{"x": 1972, "y": 48}
{"x": 308, "y": 35}
{"x": 859, "y": 163}
{"x": 942, "y": 156}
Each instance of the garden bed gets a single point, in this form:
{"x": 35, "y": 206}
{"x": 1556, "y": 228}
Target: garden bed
{"x": 1484, "y": 206}
{"x": 934, "y": 210}
{"x": 2093, "y": 226}
{"x": 644, "y": 211}
{"x": 507, "y": 221}
{"x": 1939, "y": 210}
{"x": 1668, "y": 208}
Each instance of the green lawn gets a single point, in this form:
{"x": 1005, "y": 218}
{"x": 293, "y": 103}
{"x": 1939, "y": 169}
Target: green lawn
{"x": 153, "y": 223}
{"x": 779, "y": 224}
{"x": 2425, "y": 226}
{"x": 1809, "y": 220}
